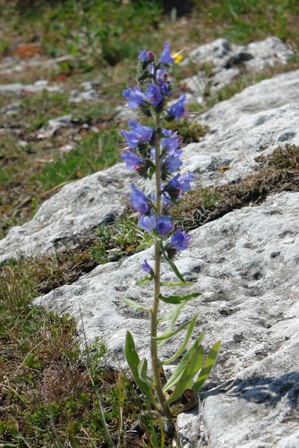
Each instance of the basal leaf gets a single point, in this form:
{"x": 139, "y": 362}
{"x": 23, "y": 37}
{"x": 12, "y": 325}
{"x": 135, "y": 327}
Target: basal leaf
{"x": 133, "y": 361}
{"x": 142, "y": 369}
{"x": 182, "y": 365}
{"x": 185, "y": 381}
{"x": 205, "y": 371}
{"x": 133, "y": 304}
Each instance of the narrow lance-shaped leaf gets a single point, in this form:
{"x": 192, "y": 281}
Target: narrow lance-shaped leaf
{"x": 142, "y": 369}
{"x": 178, "y": 299}
{"x": 205, "y": 371}
{"x": 173, "y": 317}
{"x": 134, "y": 361}
{"x": 171, "y": 284}
{"x": 185, "y": 341}
{"x": 166, "y": 336}
{"x": 145, "y": 245}
{"x": 182, "y": 365}
{"x": 144, "y": 280}
{"x": 186, "y": 379}
{"x": 172, "y": 313}
{"x": 133, "y": 304}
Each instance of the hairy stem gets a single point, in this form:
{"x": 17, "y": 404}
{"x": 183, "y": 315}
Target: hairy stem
{"x": 155, "y": 309}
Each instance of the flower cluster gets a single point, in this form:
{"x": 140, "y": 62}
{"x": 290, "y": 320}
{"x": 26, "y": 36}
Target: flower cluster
{"x": 155, "y": 150}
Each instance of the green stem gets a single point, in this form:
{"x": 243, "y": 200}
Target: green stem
{"x": 155, "y": 309}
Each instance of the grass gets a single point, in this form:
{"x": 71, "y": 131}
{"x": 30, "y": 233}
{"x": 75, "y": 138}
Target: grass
{"x": 52, "y": 395}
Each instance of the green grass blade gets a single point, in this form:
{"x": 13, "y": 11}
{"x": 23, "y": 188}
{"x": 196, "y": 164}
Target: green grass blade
{"x": 194, "y": 364}
{"x": 205, "y": 371}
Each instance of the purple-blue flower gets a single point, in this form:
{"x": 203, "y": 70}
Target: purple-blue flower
{"x": 179, "y": 240}
{"x": 138, "y": 134}
{"x": 132, "y": 160}
{"x": 163, "y": 225}
{"x": 153, "y": 94}
{"x": 165, "y": 56}
{"x": 143, "y": 56}
{"x": 134, "y": 97}
{"x": 146, "y": 267}
{"x": 139, "y": 201}
{"x": 181, "y": 182}
{"x": 171, "y": 144}
{"x": 171, "y": 164}
{"x": 177, "y": 110}
{"x": 167, "y": 132}
{"x": 147, "y": 222}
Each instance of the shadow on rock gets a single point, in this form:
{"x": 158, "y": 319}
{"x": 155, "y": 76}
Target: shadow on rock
{"x": 270, "y": 390}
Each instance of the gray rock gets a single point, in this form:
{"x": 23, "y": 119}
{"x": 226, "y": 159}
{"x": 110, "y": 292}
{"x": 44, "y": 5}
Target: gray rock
{"x": 238, "y": 147}
{"x": 37, "y": 87}
{"x": 268, "y": 94}
{"x": 54, "y": 125}
{"x": 245, "y": 265}
{"x": 76, "y": 208}
{"x": 228, "y": 61}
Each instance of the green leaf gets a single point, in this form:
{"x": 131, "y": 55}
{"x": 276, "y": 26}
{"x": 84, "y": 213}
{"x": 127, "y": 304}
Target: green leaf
{"x": 134, "y": 362}
{"x": 168, "y": 335}
{"x": 205, "y": 371}
{"x": 174, "y": 314}
{"x": 185, "y": 342}
{"x": 145, "y": 245}
{"x": 176, "y": 284}
{"x": 133, "y": 304}
{"x": 142, "y": 369}
{"x": 178, "y": 299}
{"x": 144, "y": 280}
{"x": 185, "y": 381}
{"x": 182, "y": 365}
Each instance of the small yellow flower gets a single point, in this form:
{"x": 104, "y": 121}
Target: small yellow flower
{"x": 177, "y": 57}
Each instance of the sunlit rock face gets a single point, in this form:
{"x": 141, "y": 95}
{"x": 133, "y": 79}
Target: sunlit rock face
{"x": 244, "y": 265}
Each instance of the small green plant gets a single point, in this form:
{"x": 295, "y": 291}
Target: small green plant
{"x": 153, "y": 152}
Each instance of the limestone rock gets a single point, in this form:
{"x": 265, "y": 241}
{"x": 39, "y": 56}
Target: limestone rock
{"x": 245, "y": 265}
{"x": 265, "y": 95}
{"x": 76, "y": 208}
{"x": 229, "y": 60}
{"x": 81, "y": 205}
{"x": 237, "y": 148}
